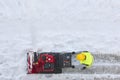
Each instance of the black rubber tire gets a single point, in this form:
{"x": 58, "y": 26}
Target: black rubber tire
{"x": 73, "y": 66}
{"x": 73, "y": 52}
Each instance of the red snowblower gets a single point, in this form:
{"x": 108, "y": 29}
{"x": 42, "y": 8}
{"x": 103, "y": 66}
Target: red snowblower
{"x": 48, "y": 62}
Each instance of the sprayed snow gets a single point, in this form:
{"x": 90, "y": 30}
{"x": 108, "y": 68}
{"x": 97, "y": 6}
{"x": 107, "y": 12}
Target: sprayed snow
{"x": 56, "y": 25}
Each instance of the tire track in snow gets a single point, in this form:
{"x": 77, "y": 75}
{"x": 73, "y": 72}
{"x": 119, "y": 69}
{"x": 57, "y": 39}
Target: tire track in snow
{"x": 72, "y": 77}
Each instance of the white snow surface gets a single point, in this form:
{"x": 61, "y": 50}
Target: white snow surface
{"x": 55, "y": 25}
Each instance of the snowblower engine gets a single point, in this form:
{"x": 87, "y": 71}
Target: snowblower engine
{"x": 48, "y": 62}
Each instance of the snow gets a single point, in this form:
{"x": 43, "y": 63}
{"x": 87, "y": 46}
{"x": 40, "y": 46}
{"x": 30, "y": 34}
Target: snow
{"x": 56, "y": 25}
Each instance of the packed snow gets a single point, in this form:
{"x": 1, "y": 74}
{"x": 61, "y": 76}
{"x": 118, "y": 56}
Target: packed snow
{"x": 58, "y": 25}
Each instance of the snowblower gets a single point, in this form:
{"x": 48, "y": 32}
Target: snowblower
{"x": 48, "y": 62}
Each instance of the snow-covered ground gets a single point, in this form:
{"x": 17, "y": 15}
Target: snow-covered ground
{"x": 58, "y": 25}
